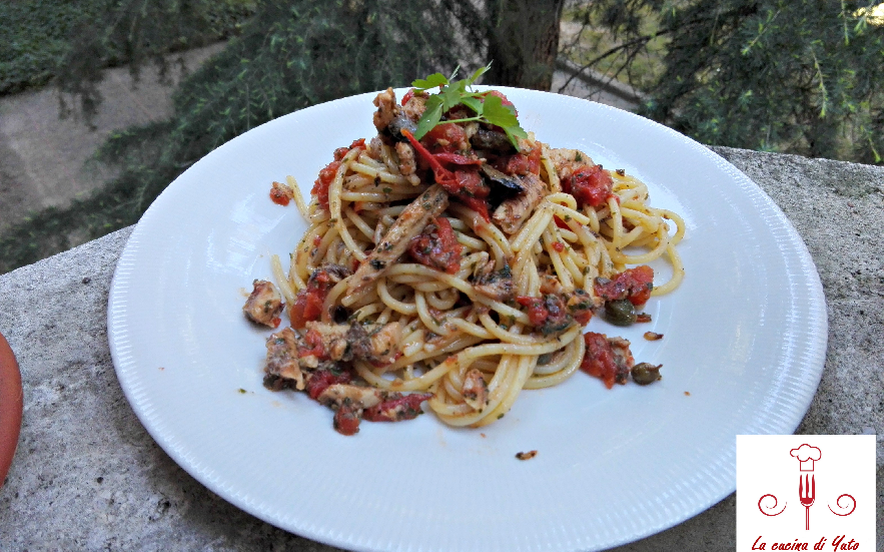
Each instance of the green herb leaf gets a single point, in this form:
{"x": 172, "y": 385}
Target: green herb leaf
{"x": 474, "y": 103}
{"x": 479, "y": 72}
{"x": 498, "y": 114}
{"x": 431, "y": 117}
{"x": 452, "y": 94}
{"x": 434, "y": 80}
{"x": 488, "y": 108}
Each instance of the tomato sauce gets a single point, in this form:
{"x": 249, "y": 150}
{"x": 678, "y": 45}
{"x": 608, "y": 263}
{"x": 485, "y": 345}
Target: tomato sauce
{"x": 327, "y": 174}
{"x": 308, "y": 303}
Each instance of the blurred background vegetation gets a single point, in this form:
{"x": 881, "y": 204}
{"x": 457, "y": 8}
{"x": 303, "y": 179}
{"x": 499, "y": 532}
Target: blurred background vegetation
{"x": 795, "y": 76}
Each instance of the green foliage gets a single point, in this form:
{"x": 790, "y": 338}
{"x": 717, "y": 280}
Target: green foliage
{"x": 587, "y": 41}
{"x": 140, "y": 31}
{"x": 289, "y": 55}
{"x": 795, "y": 76}
{"x": 33, "y": 36}
{"x": 36, "y": 36}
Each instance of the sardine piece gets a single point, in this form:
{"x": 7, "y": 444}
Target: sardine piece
{"x": 494, "y": 284}
{"x": 475, "y": 390}
{"x": 387, "y": 110}
{"x": 355, "y": 396}
{"x": 568, "y": 161}
{"x": 513, "y": 212}
{"x": 282, "y": 358}
{"x": 264, "y": 304}
{"x": 410, "y": 223}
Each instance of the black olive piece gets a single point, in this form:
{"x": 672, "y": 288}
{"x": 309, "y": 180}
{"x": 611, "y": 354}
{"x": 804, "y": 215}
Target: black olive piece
{"x": 501, "y": 179}
{"x": 645, "y": 373}
{"x": 492, "y": 140}
{"x": 340, "y": 314}
{"x": 502, "y": 186}
{"x": 620, "y": 312}
{"x": 399, "y": 124}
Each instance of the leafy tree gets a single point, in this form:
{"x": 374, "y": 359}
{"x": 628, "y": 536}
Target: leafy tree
{"x": 33, "y": 35}
{"x": 796, "y": 76}
{"x": 137, "y": 32}
{"x": 288, "y": 55}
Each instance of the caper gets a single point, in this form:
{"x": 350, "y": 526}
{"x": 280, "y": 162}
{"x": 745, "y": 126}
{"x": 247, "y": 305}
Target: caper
{"x": 620, "y": 312}
{"x": 645, "y": 373}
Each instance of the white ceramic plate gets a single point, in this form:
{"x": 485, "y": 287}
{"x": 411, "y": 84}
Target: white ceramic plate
{"x": 743, "y": 352}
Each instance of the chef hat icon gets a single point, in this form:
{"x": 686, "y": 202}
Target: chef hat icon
{"x": 806, "y": 456}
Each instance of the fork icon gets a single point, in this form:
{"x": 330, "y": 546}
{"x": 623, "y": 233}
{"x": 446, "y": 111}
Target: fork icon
{"x": 806, "y": 494}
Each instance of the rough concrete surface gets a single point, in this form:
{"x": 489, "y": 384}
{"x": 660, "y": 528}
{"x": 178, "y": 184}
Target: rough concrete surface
{"x": 87, "y": 476}
{"x": 833, "y": 206}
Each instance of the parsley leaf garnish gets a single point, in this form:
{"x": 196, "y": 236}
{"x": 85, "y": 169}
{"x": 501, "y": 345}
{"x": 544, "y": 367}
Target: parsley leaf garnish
{"x": 488, "y": 107}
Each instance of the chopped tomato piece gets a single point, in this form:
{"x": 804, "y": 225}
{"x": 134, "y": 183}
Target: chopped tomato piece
{"x": 589, "y": 185}
{"x": 279, "y": 195}
{"x": 598, "y": 360}
{"x": 321, "y": 185}
{"x": 397, "y": 407}
{"x": 445, "y": 137}
{"x": 478, "y": 205}
{"x": 307, "y": 307}
{"x": 634, "y": 284}
{"x": 549, "y": 312}
{"x": 470, "y": 184}
{"x": 308, "y": 302}
{"x": 346, "y": 420}
{"x": 314, "y": 341}
{"x": 320, "y": 380}
{"x": 522, "y": 163}
{"x": 437, "y": 247}
{"x": 327, "y": 174}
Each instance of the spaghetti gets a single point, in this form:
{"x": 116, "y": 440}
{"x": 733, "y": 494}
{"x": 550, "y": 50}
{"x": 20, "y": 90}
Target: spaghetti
{"x": 459, "y": 269}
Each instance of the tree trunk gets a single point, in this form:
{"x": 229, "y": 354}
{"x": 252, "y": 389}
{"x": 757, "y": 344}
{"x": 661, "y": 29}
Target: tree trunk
{"x": 523, "y": 42}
